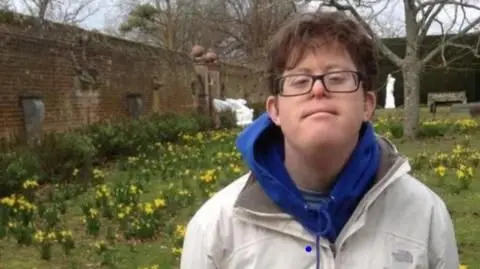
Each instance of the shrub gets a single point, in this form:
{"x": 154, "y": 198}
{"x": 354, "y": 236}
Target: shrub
{"x": 258, "y": 109}
{"x": 126, "y": 138}
{"x": 61, "y": 157}
{"x": 108, "y": 139}
{"x": 393, "y": 127}
{"x": 60, "y": 154}
{"x": 15, "y": 168}
{"x": 228, "y": 119}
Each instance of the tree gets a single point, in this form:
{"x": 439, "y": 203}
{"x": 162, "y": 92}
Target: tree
{"x": 235, "y": 29}
{"x": 170, "y": 24}
{"x": 159, "y": 20}
{"x": 5, "y": 4}
{"x": 419, "y": 17}
{"x": 248, "y": 24}
{"x": 63, "y": 11}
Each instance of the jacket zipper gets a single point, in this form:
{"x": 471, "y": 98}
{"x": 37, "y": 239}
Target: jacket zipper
{"x": 333, "y": 249}
{"x": 331, "y": 257}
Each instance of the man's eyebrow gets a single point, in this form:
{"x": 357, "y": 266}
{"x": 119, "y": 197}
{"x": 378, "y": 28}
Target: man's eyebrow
{"x": 309, "y": 70}
{"x": 336, "y": 66}
{"x": 299, "y": 70}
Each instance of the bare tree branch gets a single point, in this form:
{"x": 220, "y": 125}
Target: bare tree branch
{"x": 429, "y": 17}
{"x": 37, "y": 8}
{"x": 78, "y": 12}
{"x": 433, "y": 3}
{"x": 384, "y": 49}
{"x": 474, "y": 50}
{"x": 64, "y": 11}
{"x": 5, "y": 5}
{"x": 450, "y": 41}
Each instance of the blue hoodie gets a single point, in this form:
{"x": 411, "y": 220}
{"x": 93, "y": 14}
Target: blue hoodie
{"x": 262, "y": 148}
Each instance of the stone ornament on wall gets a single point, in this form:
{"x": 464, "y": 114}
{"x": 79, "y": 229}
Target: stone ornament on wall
{"x": 200, "y": 55}
{"x": 86, "y": 78}
{"x": 210, "y": 57}
{"x": 157, "y": 83}
{"x": 197, "y": 51}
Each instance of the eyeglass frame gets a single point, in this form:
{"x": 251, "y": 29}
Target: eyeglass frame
{"x": 360, "y": 78}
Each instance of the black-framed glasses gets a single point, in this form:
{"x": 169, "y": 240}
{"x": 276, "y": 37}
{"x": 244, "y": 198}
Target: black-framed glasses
{"x": 334, "y": 82}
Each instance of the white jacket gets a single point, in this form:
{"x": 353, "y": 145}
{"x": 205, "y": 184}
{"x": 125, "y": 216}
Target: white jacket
{"x": 399, "y": 224}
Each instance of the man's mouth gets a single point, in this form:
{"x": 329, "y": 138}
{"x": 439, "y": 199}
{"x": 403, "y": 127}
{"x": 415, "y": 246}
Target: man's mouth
{"x": 320, "y": 113}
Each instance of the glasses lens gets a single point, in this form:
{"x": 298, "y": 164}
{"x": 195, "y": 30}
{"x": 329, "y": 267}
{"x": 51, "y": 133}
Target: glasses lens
{"x": 296, "y": 84}
{"x": 341, "y": 81}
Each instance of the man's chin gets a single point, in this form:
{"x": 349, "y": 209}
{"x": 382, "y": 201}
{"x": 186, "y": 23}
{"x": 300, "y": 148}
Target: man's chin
{"x": 320, "y": 128}
{"x": 322, "y": 138}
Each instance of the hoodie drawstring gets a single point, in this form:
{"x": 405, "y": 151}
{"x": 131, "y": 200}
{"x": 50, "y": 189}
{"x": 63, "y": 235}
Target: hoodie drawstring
{"x": 324, "y": 216}
{"x": 317, "y": 247}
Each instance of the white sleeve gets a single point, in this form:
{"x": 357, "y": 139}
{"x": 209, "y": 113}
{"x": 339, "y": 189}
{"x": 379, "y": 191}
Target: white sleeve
{"x": 443, "y": 252}
{"x": 196, "y": 252}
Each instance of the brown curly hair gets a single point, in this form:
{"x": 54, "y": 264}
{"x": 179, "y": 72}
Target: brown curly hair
{"x": 308, "y": 31}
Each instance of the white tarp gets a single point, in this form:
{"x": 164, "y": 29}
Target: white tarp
{"x": 221, "y": 106}
{"x": 243, "y": 114}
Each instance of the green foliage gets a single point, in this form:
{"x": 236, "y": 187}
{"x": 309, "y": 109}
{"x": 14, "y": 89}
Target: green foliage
{"x": 14, "y": 18}
{"x": 16, "y": 167}
{"x": 142, "y": 18}
{"x": 138, "y": 221}
{"x": 393, "y": 127}
{"x": 72, "y": 156}
{"x": 228, "y": 119}
{"x": 258, "y": 109}
{"x": 60, "y": 154}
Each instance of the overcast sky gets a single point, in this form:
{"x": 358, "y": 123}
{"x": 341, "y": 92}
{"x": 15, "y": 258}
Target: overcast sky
{"x": 391, "y": 17}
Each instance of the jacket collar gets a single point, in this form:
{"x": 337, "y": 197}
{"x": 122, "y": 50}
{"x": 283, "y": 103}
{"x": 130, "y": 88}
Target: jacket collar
{"x": 253, "y": 198}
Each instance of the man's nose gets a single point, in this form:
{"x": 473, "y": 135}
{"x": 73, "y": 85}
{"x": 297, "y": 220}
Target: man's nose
{"x": 317, "y": 88}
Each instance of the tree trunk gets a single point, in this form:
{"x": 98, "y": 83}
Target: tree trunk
{"x": 411, "y": 88}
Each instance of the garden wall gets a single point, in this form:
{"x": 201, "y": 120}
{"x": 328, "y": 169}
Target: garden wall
{"x": 85, "y": 77}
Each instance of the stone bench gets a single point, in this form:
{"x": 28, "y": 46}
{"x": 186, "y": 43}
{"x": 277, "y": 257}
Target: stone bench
{"x": 473, "y": 109}
{"x": 435, "y": 99}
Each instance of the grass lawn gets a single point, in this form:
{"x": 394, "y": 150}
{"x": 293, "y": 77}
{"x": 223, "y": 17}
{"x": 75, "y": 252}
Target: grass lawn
{"x": 184, "y": 176}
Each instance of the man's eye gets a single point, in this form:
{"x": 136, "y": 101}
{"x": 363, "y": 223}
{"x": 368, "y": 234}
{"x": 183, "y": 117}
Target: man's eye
{"x": 337, "y": 78}
{"x": 298, "y": 80}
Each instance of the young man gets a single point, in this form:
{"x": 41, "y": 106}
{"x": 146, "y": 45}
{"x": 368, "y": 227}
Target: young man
{"x": 324, "y": 191}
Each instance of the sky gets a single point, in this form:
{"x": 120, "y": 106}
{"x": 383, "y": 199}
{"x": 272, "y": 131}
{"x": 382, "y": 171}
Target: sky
{"x": 96, "y": 21}
{"x": 391, "y": 17}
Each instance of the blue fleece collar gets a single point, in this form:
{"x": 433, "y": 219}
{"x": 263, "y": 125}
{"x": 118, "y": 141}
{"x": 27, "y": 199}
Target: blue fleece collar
{"x": 261, "y": 145}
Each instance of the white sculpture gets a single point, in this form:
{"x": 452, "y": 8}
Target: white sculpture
{"x": 389, "y": 97}
{"x": 243, "y": 114}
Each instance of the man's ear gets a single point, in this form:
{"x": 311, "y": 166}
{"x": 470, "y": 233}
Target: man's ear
{"x": 271, "y": 106}
{"x": 370, "y": 104}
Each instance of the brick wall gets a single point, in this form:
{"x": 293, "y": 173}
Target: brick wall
{"x": 49, "y": 61}
{"x": 57, "y": 63}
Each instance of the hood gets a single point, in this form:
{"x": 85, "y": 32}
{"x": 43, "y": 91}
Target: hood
{"x": 261, "y": 146}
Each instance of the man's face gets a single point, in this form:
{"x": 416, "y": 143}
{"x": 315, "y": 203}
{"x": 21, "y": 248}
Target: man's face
{"x": 321, "y": 118}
